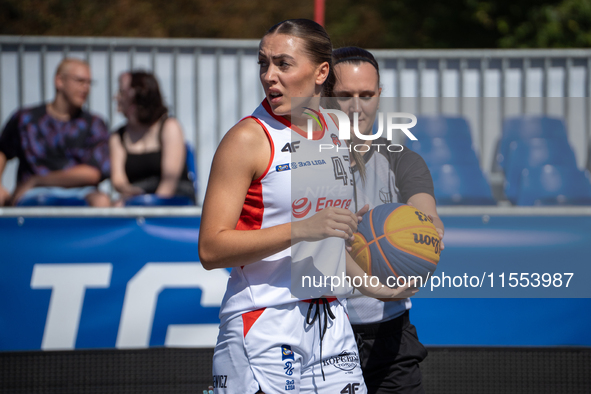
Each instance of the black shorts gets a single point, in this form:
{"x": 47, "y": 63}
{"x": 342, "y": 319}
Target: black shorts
{"x": 390, "y": 353}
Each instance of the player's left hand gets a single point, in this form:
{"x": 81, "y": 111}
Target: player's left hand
{"x": 439, "y": 231}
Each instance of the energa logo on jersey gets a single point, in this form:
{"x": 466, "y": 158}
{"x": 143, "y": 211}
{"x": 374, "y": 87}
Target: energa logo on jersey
{"x": 333, "y": 191}
{"x": 301, "y": 207}
{"x": 323, "y": 197}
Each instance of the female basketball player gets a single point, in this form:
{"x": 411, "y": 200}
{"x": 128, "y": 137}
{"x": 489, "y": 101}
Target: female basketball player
{"x": 259, "y": 222}
{"x": 389, "y": 349}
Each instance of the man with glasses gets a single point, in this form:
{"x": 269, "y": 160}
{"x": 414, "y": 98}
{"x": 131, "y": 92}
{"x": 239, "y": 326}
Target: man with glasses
{"x": 62, "y": 149}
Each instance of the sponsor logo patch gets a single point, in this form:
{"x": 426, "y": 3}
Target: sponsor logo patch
{"x": 290, "y": 385}
{"x": 351, "y": 388}
{"x": 346, "y": 361}
{"x": 291, "y": 147}
{"x": 385, "y": 195}
{"x": 335, "y": 139}
{"x": 300, "y": 208}
{"x": 282, "y": 167}
{"x": 286, "y": 353}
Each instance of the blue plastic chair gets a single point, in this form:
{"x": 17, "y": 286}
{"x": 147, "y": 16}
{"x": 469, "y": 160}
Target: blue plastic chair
{"x": 439, "y": 151}
{"x": 51, "y": 201}
{"x": 525, "y": 128}
{"x": 154, "y": 200}
{"x": 446, "y": 127}
{"x": 554, "y": 185}
{"x": 534, "y": 153}
{"x": 461, "y": 185}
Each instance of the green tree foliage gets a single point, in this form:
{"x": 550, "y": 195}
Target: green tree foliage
{"x": 409, "y": 24}
{"x": 147, "y": 18}
{"x": 562, "y": 25}
{"x": 369, "y": 23}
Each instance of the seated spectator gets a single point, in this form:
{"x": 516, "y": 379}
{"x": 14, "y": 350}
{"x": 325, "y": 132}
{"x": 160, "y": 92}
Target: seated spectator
{"x": 148, "y": 154}
{"x": 62, "y": 149}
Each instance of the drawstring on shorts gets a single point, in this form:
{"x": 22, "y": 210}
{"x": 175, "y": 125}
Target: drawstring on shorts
{"x": 327, "y": 313}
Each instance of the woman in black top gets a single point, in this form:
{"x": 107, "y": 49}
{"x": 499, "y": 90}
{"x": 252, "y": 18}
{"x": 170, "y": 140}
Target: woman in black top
{"x": 148, "y": 153}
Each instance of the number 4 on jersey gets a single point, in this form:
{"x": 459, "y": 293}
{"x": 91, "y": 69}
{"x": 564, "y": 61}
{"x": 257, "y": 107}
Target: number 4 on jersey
{"x": 339, "y": 169}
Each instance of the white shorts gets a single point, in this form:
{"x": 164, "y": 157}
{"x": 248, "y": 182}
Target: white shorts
{"x": 275, "y": 350}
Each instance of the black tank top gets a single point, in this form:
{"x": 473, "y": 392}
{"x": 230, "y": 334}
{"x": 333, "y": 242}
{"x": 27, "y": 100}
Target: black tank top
{"x": 141, "y": 166}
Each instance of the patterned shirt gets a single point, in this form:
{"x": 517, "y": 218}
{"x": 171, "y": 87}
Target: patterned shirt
{"x": 44, "y": 144}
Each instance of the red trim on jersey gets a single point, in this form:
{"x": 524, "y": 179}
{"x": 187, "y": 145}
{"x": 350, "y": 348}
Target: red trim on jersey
{"x": 251, "y": 217}
{"x": 270, "y": 144}
{"x": 249, "y": 318}
{"x": 316, "y": 135}
{"x": 335, "y": 121}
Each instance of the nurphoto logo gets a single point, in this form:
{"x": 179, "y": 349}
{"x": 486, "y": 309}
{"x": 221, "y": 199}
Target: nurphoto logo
{"x": 391, "y": 120}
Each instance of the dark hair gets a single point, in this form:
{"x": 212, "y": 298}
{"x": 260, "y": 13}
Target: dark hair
{"x": 147, "y": 97}
{"x": 317, "y": 44}
{"x": 355, "y": 56}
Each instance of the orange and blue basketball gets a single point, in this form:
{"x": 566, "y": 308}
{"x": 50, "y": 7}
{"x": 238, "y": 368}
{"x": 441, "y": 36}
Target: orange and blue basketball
{"x": 396, "y": 240}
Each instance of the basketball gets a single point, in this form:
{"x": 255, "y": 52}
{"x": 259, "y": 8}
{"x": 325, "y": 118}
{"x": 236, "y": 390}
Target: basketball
{"x": 395, "y": 240}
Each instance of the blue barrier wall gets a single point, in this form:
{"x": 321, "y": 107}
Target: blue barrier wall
{"x": 109, "y": 282}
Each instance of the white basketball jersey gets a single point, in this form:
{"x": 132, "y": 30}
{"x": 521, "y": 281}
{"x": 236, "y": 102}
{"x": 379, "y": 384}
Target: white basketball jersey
{"x": 300, "y": 180}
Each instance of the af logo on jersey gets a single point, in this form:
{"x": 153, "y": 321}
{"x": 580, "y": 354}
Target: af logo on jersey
{"x": 351, "y": 388}
{"x": 291, "y": 147}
